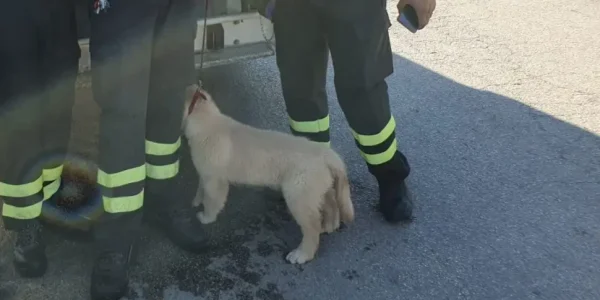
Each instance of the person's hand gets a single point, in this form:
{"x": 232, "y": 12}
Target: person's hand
{"x": 423, "y": 8}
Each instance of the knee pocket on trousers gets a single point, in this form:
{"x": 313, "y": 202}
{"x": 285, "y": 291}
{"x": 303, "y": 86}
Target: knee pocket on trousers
{"x": 361, "y": 51}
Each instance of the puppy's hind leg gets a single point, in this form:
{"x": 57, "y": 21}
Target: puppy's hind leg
{"x": 308, "y": 217}
{"x": 215, "y": 191}
{"x": 198, "y": 198}
{"x": 330, "y": 213}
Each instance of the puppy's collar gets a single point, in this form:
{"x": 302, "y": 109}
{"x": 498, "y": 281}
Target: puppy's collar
{"x": 197, "y": 96}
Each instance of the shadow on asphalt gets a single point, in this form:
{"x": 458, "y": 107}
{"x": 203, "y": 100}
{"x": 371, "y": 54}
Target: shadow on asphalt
{"x": 503, "y": 191}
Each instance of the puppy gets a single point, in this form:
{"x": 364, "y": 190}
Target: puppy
{"x": 311, "y": 176}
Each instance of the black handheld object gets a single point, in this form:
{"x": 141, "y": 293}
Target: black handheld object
{"x": 409, "y": 19}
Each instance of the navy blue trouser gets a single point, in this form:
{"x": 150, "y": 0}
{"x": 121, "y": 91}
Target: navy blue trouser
{"x": 142, "y": 54}
{"x": 355, "y": 33}
{"x": 38, "y": 65}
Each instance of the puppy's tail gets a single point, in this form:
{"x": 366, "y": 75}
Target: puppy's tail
{"x": 341, "y": 187}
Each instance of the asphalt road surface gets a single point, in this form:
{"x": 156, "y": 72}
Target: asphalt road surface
{"x": 498, "y": 110}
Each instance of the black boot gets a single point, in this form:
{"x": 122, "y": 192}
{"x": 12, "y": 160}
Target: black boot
{"x": 395, "y": 201}
{"x": 179, "y": 224}
{"x": 30, "y": 258}
{"x": 110, "y": 276}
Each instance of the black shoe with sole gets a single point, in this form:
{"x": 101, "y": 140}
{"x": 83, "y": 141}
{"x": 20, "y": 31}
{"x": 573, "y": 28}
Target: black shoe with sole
{"x": 110, "y": 276}
{"x": 395, "y": 201}
{"x": 30, "y": 252}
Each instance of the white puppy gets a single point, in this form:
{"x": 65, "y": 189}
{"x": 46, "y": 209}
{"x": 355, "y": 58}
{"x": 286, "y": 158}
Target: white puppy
{"x": 312, "y": 177}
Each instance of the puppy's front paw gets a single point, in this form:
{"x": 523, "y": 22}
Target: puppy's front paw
{"x": 204, "y": 219}
{"x": 298, "y": 257}
{"x": 330, "y": 226}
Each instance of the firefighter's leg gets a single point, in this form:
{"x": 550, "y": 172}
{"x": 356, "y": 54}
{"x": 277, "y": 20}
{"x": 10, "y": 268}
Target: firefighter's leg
{"x": 172, "y": 70}
{"x": 362, "y": 59}
{"x": 22, "y": 185}
{"x": 26, "y": 34}
{"x": 21, "y": 178}
{"x": 120, "y": 48}
{"x": 302, "y": 61}
{"x": 60, "y": 65}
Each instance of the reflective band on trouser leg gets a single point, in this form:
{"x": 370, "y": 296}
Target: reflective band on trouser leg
{"x": 123, "y": 191}
{"x": 162, "y": 159}
{"x": 378, "y": 148}
{"x": 316, "y": 131}
{"x": 50, "y": 174}
{"x": 24, "y": 202}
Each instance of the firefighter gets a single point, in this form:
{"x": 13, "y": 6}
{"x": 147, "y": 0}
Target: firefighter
{"x": 38, "y": 67}
{"x": 355, "y": 32}
{"x": 142, "y": 60}
{"x": 142, "y": 56}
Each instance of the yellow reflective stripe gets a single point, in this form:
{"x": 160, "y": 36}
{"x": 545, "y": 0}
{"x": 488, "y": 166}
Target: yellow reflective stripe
{"x": 32, "y": 211}
{"x": 21, "y": 190}
{"x": 377, "y": 159}
{"x": 51, "y": 189}
{"x": 32, "y": 188}
{"x": 22, "y": 213}
{"x": 52, "y": 174}
{"x": 123, "y": 204}
{"x": 154, "y": 148}
{"x": 122, "y": 178}
{"x": 162, "y": 172}
{"x": 310, "y": 126}
{"x": 376, "y": 139}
